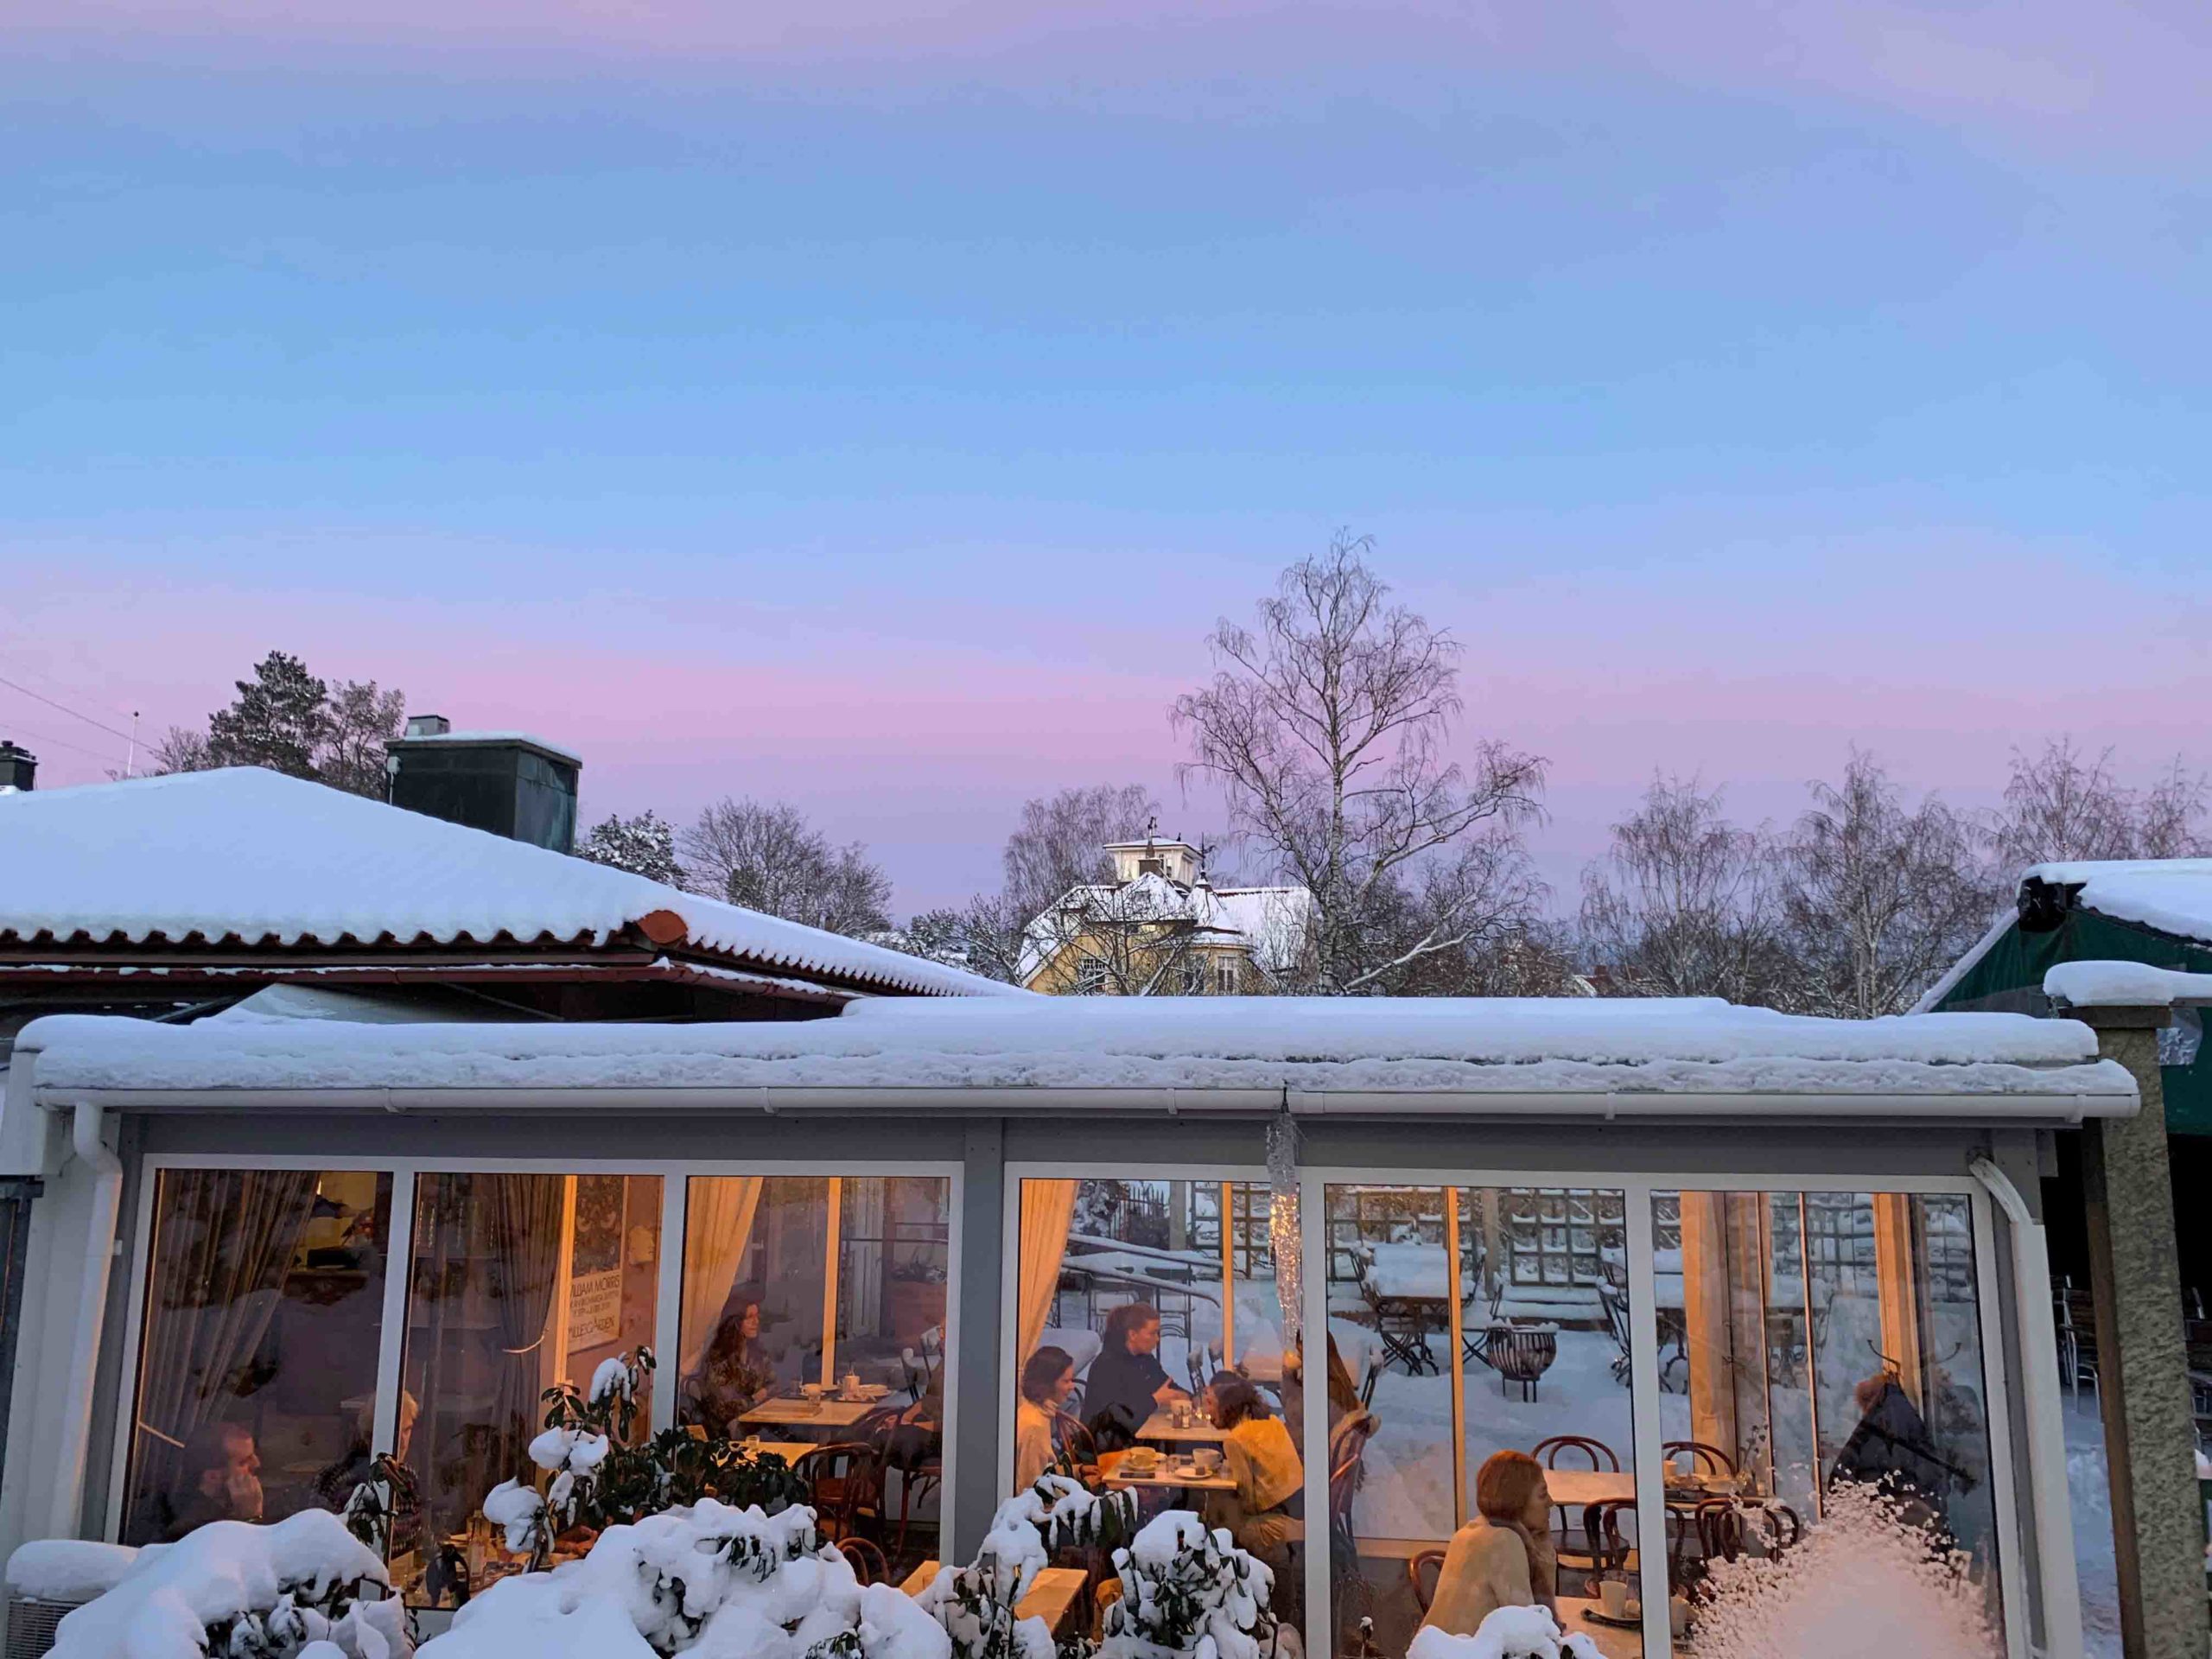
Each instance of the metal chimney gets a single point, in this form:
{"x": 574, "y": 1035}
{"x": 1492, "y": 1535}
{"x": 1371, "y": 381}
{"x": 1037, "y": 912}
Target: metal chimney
{"x": 18, "y": 766}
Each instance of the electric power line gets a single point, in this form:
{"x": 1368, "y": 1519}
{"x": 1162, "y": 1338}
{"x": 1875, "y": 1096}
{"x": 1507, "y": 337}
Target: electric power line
{"x": 14, "y": 728}
{"x": 14, "y": 647}
{"x": 67, "y": 711}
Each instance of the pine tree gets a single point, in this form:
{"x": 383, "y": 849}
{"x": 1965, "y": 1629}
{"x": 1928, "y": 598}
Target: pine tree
{"x": 645, "y": 845}
{"x": 278, "y": 720}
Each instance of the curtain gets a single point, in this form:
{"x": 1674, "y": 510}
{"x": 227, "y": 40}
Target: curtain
{"x": 523, "y": 1215}
{"x": 1047, "y": 1209}
{"x": 223, "y": 1240}
{"x": 717, "y": 1227}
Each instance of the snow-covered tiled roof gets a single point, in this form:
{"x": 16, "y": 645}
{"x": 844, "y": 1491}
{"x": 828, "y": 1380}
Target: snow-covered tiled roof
{"x": 255, "y": 858}
{"x": 1644, "y": 1055}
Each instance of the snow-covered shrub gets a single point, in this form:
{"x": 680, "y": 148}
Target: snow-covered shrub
{"x": 234, "y": 1590}
{"x": 1868, "y": 1579}
{"x": 1507, "y": 1633}
{"x": 1185, "y": 1590}
{"x": 706, "y": 1581}
{"x": 975, "y": 1603}
{"x": 597, "y": 1479}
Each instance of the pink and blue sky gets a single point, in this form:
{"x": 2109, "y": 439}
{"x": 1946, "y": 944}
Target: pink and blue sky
{"x": 874, "y": 405}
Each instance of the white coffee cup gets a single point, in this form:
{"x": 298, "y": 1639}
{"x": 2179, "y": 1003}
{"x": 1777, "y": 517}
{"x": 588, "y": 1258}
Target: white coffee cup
{"x": 1612, "y": 1597}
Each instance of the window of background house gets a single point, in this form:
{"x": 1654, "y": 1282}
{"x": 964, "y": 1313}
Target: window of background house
{"x": 257, "y": 1365}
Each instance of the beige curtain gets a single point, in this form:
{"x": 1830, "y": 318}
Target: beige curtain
{"x": 1048, "y": 1208}
{"x": 717, "y": 1226}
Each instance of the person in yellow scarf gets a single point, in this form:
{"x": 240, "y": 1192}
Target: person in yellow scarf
{"x": 1262, "y": 1515}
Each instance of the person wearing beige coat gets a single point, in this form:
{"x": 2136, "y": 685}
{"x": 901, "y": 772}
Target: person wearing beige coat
{"x": 1503, "y": 1557}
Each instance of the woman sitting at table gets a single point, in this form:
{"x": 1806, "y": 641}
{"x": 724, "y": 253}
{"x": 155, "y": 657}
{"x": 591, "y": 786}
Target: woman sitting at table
{"x": 1046, "y": 1382}
{"x": 1503, "y": 1557}
{"x": 733, "y": 1376}
{"x": 1127, "y": 1381}
{"x": 1256, "y": 1453}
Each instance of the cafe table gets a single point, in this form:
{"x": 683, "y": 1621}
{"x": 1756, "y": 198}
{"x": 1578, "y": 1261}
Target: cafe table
{"x": 1164, "y": 1479}
{"x": 1051, "y": 1596}
{"x": 1161, "y": 1427}
{"x": 1611, "y": 1640}
{"x": 826, "y": 1416}
{"x": 1575, "y": 1489}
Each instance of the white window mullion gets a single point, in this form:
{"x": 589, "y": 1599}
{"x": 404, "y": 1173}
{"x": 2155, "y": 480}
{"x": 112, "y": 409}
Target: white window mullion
{"x": 1643, "y": 1394}
{"x": 391, "y": 1333}
{"x": 668, "y": 1300}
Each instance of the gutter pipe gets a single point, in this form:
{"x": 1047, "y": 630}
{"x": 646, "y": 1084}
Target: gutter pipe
{"x": 106, "y": 1170}
{"x": 2061, "y": 1589}
{"x": 2068, "y": 1109}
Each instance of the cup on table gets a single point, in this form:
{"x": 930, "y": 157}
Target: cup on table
{"x": 1678, "y": 1615}
{"x": 1612, "y": 1598}
{"x": 1207, "y": 1457}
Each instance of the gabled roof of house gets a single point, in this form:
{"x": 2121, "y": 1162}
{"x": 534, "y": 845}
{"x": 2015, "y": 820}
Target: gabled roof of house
{"x": 1624, "y": 1056}
{"x": 2168, "y": 895}
{"x": 1272, "y": 922}
{"x": 247, "y": 862}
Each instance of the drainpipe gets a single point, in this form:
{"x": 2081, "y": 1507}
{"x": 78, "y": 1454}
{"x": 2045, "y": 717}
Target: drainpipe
{"x": 2062, "y": 1590}
{"x": 106, "y": 1170}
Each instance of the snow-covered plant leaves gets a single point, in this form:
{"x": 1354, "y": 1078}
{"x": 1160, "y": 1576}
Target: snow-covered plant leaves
{"x": 1869, "y": 1578}
{"x": 975, "y": 1603}
{"x": 233, "y": 1590}
{"x": 1188, "y": 1591}
{"x": 1506, "y": 1633}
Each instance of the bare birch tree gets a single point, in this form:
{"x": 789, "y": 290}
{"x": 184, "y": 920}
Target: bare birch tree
{"x": 2062, "y": 803}
{"x": 1326, "y": 726}
{"x": 1684, "y": 903}
{"x": 767, "y": 856}
{"x": 1879, "y": 899}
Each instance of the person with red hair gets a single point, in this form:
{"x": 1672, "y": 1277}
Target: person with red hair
{"x": 1503, "y": 1557}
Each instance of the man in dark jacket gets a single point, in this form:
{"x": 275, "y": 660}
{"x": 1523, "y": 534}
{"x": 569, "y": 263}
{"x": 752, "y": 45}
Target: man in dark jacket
{"x": 1127, "y": 1381}
{"x": 1891, "y": 1448}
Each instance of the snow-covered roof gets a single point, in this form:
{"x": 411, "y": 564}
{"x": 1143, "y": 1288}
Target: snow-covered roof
{"x": 2173, "y": 896}
{"x": 1273, "y": 922}
{"x": 2123, "y": 985}
{"x": 1648, "y": 1055}
{"x": 250, "y": 857}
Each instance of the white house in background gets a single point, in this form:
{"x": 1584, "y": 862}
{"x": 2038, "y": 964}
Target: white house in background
{"x": 314, "y": 1241}
{"x": 1160, "y": 927}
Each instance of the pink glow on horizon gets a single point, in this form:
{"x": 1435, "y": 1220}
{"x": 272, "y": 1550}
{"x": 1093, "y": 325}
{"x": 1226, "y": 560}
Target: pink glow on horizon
{"x": 2110, "y": 72}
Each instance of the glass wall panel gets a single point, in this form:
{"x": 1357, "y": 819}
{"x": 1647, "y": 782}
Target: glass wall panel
{"x": 761, "y": 1286}
{"x": 1479, "y": 1360}
{"x": 257, "y": 1366}
{"x": 518, "y": 1282}
{"x": 1150, "y": 1355}
{"x": 1815, "y": 1338}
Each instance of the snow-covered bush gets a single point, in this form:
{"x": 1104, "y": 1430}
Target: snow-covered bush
{"x": 234, "y": 1590}
{"x": 1507, "y": 1633}
{"x": 1869, "y": 1578}
{"x": 975, "y": 1603}
{"x": 597, "y": 1479}
{"x": 1186, "y": 1591}
{"x": 705, "y": 1580}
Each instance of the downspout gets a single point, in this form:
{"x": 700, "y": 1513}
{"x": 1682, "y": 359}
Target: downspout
{"x": 68, "y": 1513}
{"x": 2061, "y": 1589}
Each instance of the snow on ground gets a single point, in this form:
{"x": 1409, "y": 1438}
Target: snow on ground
{"x": 1634, "y": 1052}
{"x": 2085, "y": 1482}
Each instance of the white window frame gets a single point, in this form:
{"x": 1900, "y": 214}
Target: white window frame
{"x": 1637, "y": 1192}
{"x": 675, "y": 1177}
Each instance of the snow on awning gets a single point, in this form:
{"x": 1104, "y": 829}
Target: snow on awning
{"x": 1640, "y": 1056}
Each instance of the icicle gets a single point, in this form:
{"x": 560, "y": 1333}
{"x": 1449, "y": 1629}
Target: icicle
{"x": 1284, "y": 1237}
